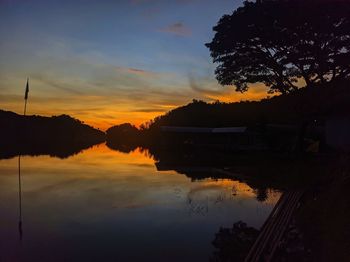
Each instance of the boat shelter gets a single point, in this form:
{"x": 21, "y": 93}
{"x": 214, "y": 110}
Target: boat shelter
{"x": 221, "y": 137}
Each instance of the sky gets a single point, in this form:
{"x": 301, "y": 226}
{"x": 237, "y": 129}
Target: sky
{"x": 109, "y": 62}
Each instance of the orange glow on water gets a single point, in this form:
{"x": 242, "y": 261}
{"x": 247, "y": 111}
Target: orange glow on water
{"x": 101, "y": 188}
{"x": 101, "y": 163}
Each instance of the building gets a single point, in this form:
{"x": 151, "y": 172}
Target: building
{"x": 230, "y": 138}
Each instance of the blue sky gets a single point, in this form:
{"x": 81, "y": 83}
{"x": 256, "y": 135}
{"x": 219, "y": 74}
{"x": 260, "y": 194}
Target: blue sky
{"x": 108, "y": 62}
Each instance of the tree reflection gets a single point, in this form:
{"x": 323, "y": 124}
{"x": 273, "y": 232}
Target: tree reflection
{"x": 233, "y": 244}
{"x": 58, "y": 136}
{"x": 261, "y": 194}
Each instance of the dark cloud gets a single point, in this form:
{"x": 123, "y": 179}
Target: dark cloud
{"x": 151, "y": 109}
{"x": 139, "y": 2}
{"x": 53, "y": 82}
{"x": 140, "y": 71}
{"x": 177, "y": 29}
{"x": 202, "y": 90}
{"x": 150, "y": 13}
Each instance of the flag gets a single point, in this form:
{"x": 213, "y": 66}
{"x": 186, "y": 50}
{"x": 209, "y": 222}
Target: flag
{"x": 27, "y": 90}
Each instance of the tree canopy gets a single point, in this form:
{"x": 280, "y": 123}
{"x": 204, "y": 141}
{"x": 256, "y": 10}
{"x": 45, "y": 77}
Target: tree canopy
{"x": 284, "y": 44}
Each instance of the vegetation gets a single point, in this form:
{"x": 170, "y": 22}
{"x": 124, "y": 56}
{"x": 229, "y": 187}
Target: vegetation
{"x": 58, "y": 135}
{"x": 307, "y": 104}
{"x": 283, "y": 109}
{"x": 283, "y": 44}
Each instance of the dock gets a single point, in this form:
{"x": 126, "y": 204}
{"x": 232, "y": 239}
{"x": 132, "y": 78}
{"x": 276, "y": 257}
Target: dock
{"x": 274, "y": 227}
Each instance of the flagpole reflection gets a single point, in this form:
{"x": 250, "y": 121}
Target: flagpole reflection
{"x": 20, "y": 229}
{"x": 20, "y": 199}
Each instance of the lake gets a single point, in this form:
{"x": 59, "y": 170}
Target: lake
{"x": 105, "y": 205}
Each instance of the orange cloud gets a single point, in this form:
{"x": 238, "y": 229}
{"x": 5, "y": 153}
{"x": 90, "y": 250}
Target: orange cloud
{"x": 103, "y": 112}
{"x": 109, "y": 98}
{"x": 136, "y": 71}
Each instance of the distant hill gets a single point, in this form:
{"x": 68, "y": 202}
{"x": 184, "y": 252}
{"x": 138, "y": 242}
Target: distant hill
{"x": 124, "y": 138}
{"x": 57, "y": 135}
{"x": 292, "y": 114}
{"x": 305, "y": 104}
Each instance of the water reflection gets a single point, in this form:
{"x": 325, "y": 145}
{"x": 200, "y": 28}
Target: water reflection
{"x": 112, "y": 206}
{"x": 56, "y": 149}
{"x": 20, "y": 199}
{"x": 233, "y": 244}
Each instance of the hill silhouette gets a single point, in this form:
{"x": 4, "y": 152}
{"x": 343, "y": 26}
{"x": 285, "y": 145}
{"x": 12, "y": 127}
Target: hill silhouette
{"x": 63, "y": 135}
{"x": 124, "y": 138}
{"x": 299, "y": 111}
{"x": 59, "y": 136}
{"x": 305, "y": 104}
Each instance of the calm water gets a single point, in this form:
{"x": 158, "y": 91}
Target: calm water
{"x": 103, "y": 205}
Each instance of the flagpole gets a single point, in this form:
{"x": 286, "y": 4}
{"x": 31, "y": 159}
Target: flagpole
{"x": 25, "y": 107}
{"x": 26, "y": 97}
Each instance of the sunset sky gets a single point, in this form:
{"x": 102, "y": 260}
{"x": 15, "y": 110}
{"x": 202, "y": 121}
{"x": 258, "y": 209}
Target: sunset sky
{"x": 107, "y": 62}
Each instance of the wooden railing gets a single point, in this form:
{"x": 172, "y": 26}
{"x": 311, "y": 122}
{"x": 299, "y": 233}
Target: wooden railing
{"x": 274, "y": 227}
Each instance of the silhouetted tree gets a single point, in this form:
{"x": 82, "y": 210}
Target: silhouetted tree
{"x": 283, "y": 44}
{"x": 59, "y": 136}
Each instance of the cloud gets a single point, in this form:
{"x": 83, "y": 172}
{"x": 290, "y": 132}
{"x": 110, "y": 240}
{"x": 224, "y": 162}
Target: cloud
{"x": 151, "y": 13}
{"x": 102, "y": 92}
{"x": 161, "y": 109}
{"x": 140, "y": 2}
{"x": 136, "y": 71}
{"x": 178, "y": 29}
{"x": 209, "y": 89}
{"x": 185, "y": 1}
{"x": 51, "y": 81}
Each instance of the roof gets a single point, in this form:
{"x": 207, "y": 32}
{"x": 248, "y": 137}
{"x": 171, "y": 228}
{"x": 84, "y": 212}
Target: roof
{"x": 183, "y": 129}
{"x": 237, "y": 129}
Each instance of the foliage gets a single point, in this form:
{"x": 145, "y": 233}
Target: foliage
{"x": 60, "y": 136}
{"x": 283, "y": 44}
